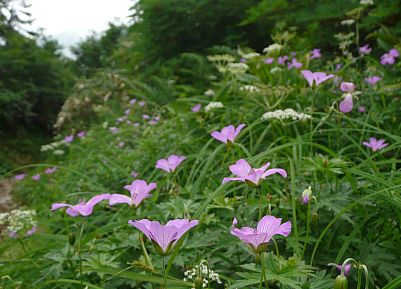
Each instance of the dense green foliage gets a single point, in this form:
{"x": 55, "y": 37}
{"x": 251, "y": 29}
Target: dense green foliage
{"x": 355, "y": 203}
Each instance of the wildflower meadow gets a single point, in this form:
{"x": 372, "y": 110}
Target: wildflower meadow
{"x": 236, "y": 166}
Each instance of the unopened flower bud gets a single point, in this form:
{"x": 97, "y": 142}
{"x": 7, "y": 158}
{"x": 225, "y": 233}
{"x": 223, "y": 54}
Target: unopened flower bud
{"x": 341, "y": 282}
{"x": 306, "y": 195}
{"x": 71, "y": 238}
{"x": 315, "y": 218}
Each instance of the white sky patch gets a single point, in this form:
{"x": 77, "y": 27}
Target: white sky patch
{"x": 70, "y": 21}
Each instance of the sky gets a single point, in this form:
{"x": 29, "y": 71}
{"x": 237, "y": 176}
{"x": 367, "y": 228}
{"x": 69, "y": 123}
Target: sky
{"x": 69, "y": 21}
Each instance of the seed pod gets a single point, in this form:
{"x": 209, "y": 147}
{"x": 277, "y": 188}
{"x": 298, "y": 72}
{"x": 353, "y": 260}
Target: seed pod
{"x": 341, "y": 282}
{"x": 71, "y": 238}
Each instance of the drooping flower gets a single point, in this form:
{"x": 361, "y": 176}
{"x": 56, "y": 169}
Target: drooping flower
{"x": 373, "y": 79}
{"x": 258, "y": 238}
{"x": 81, "y": 134}
{"x": 317, "y": 77}
{"x": 228, "y": 133}
{"x": 20, "y": 177}
{"x": 164, "y": 237}
{"x": 83, "y": 208}
{"x": 245, "y": 173}
{"x": 306, "y": 195}
{"x": 375, "y": 144}
{"x": 68, "y": 138}
{"x": 170, "y": 164}
{"x": 36, "y": 177}
{"x": 315, "y": 53}
{"x": 50, "y": 171}
{"x": 346, "y": 104}
{"x": 196, "y": 108}
{"x": 139, "y": 190}
{"x": 364, "y": 50}
{"x": 294, "y": 64}
{"x": 347, "y": 86}
{"x": 347, "y": 268}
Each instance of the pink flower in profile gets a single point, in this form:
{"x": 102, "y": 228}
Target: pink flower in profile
{"x": 142, "y": 103}
{"x": 20, "y": 177}
{"x": 294, "y": 64}
{"x": 36, "y": 177}
{"x": 132, "y": 101}
{"x": 245, "y": 173}
{"x": 394, "y": 53}
{"x": 317, "y": 77}
{"x": 361, "y": 109}
{"x": 373, "y": 79}
{"x": 139, "y": 190}
{"x": 269, "y": 60}
{"x": 282, "y": 59}
{"x": 347, "y": 268}
{"x": 164, "y": 237}
{"x": 315, "y": 53}
{"x": 228, "y": 133}
{"x": 81, "y": 134}
{"x": 170, "y": 164}
{"x": 68, "y": 138}
{"x": 375, "y": 144}
{"x": 347, "y": 87}
{"x": 196, "y": 108}
{"x": 346, "y": 104}
{"x": 83, "y": 208}
{"x": 258, "y": 238}
{"x": 50, "y": 171}
{"x": 364, "y": 50}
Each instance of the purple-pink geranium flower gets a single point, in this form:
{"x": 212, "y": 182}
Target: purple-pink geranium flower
{"x": 346, "y": 104}
{"x": 196, "y": 108}
{"x": 258, "y": 238}
{"x": 164, "y": 237}
{"x": 228, "y": 133}
{"x": 245, "y": 173}
{"x": 114, "y": 130}
{"x": 139, "y": 190}
{"x": 132, "y": 101}
{"x": 294, "y": 64}
{"x": 36, "y": 177}
{"x": 32, "y": 231}
{"x": 50, "y": 171}
{"x": 316, "y": 77}
{"x": 170, "y": 164}
{"x": 83, "y": 208}
{"x": 268, "y": 60}
{"x": 315, "y": 53}
{"x": 375, "y": 144}
{"x": 282, "y": 59}
{"x": 347, "y": 268}
{"x": 142, "y": 103}
{"x": 68, "y": 138}
{"x": 389, "y": 57}
{"x": 347, "y": 87}
{"x": 373, "y": 79}
{"x": 81, "y": 134}
{"x": 20, "y": 177}
{"x": 361, "y": 109}
{"x": 364, "y": 50}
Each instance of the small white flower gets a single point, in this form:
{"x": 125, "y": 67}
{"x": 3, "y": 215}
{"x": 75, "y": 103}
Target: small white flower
{"x": 285, "y": 114}
{"x": 236, "y": 68}
{"x": 213, "y": 105}
{"x": 251, "y": 55}
{"x": 250, "y": 88}
{"x": 275, "y": 69}
{"x": 348, "y": 22}
{"x": 366, "y": 2}
{"x": 209, "y": 92}
{"x": 272, "y": 47}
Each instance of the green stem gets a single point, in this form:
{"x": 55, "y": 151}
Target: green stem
{"x": 260, "y": 203}
{"x": 262, "y": 261}
{"x": 145, "y": 253}
{"x": 79, "y": 253}
{"x": 277, "y": 253}
{"x": 26, "y": 252}
{"x": 307, "y": 229}
{"x": 165, "y": 274}
{"x": 359, "y": 279}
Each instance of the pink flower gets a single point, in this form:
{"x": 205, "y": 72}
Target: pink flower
{"x": 346, "y": 104}
{"x": 338, "y": 66}
{"x": 152, "y": 122}
{"x": 132, "y": 101}
{"x": 294, "y": 64}
{"x": 305, "y": 199}
{"x": 127, "y": 111}
{"x": 317, "y": 77}
{"x": 245, "y": 173}
{"x": 20, "y": 177}
{"x": 36, "y": 177}
{"x": 145, "y": 116}
{"x": 387, "y": 59}
{"x": 227, "y": 134}
{"x": 83, "y": 208}
{"x": 364, "y": 50}
{"x": 12, "y": 234}
{"x": 114, "y": 130}
{"x": 315, "y": 53}
{"x": 32, "y": 231}
{"x": 394, "y": 53}
{"x": 372, "y": 80}
{"x": 258, "y": 238}
{"x": 347, "y": 268}
{"x": 50, "y": 171}
{"x": 142, "y": 103}
{"x": 170, "y": 164}
{"x": 164, "y": 237}
{"x": 282, "y": 59}
{"x": 196, "y": 108}
{"x": 134, "y": 174}
{"x": 81, "y": 134}
{"x": 375, "y": 144}
{"x": 121, "y": 144}
{"x": 268, "y": 60}
{"x": 361, "y": 109}
{"x": 68, "y": 138}
{"x": 139, "y": 190}
{"x": 347, "y": 86}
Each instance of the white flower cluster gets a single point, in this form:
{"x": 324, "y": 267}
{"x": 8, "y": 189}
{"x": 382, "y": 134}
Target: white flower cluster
{"x": 206, "y": 274}
{"x": 236, "y": 68}
{"x": 284, "y": 114}
{"x": 51, "y": 146}
{"x": 19, "y": 222}
{"x": 209, "y": 92}
{"x": 250, "y": 88}
{"x": 272, "y": 47}
{"x": 221, "y": 58}
{"x": 251, "y": 55}
{"x": 348, "y": 22}
{"x": 213, "y": 105}
{"x": 366, "y": 2}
